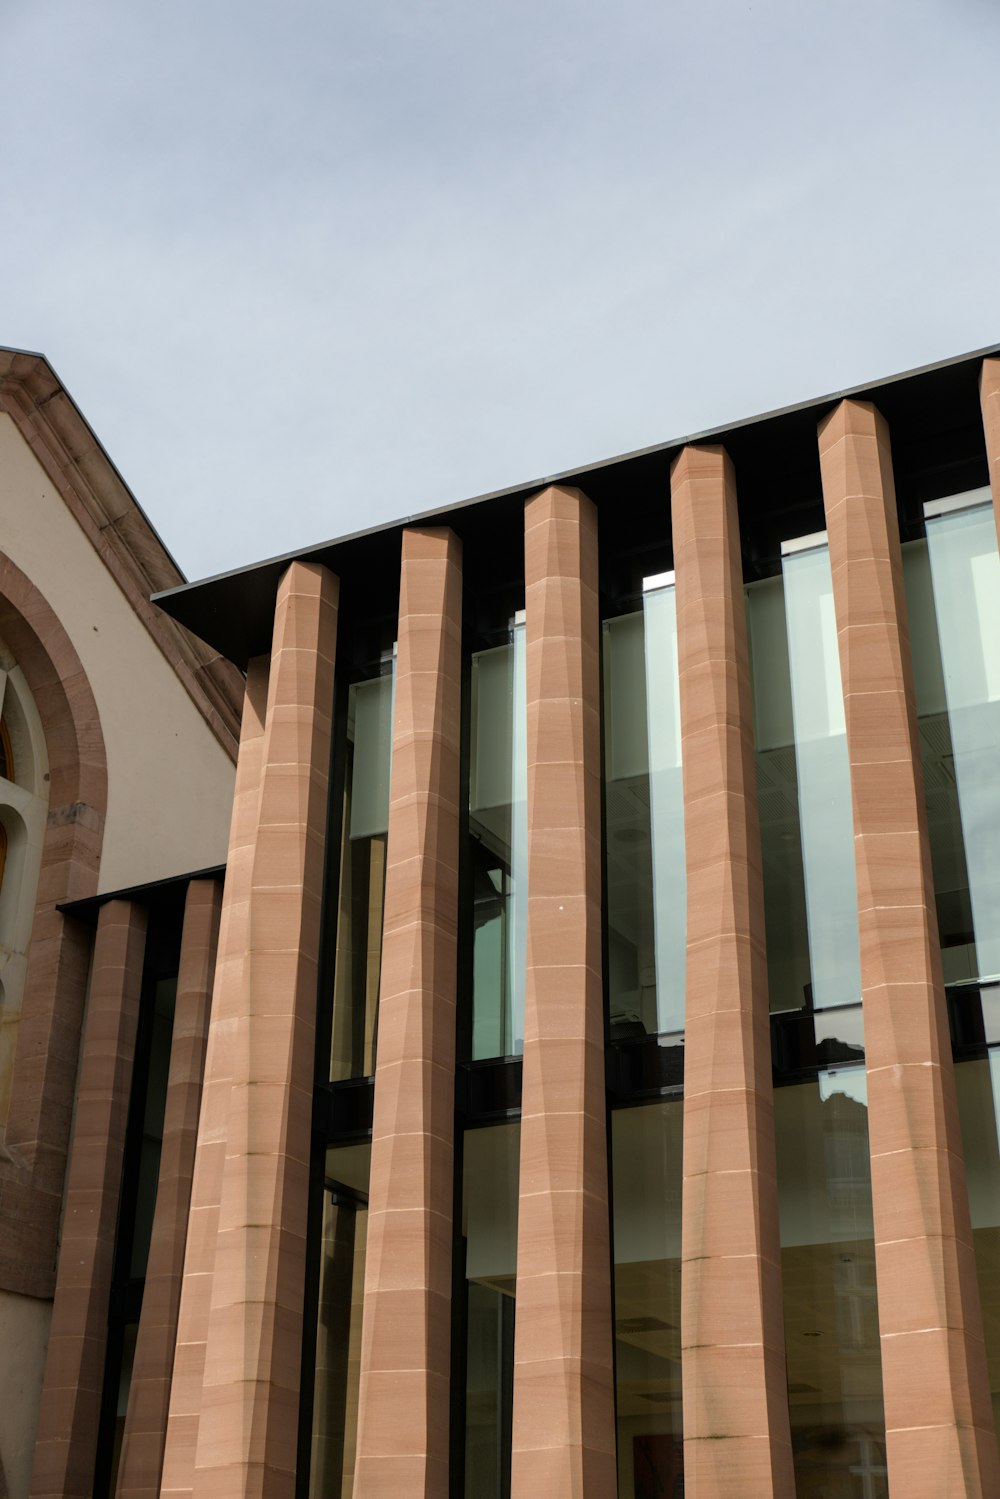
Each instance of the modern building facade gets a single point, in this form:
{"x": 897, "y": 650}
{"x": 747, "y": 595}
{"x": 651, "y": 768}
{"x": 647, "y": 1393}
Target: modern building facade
{"x": 582, "y": 1081}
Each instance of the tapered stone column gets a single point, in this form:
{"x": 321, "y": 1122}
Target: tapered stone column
{"x": 402, "y": 1444}
{"x": 149, "y": 1392}
{"x": 736, "y": 1430}
{"x": 989, "y": 393}
{"x": 228, "y": 1000}
{"x": 66, "y": 1444}
{"x": 248, "y": 1428}
{"x": 939, "y": 1425}
{"x": 564, "y": 1427}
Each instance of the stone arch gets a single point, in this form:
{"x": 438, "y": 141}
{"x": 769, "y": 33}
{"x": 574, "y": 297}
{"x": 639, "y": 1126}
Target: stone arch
{"x": 34, "y": 1148}
{"x": 24, "y": 805}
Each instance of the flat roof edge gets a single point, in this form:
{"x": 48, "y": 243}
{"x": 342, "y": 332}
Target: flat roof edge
{"x": 232, "y": 611}
{"x": 86, "y": 907}
{"x": 302, "y": 554}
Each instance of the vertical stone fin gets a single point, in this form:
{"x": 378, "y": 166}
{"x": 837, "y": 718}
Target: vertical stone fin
{"x": 736, "y": 1428}
{"x": 248, "y": 1425}
{"x": 939, "y": 1425}
{"x": 141, "y": 1462}
{"x": 563, "y": 1420}
{"x": 403, "y": 1413}
{"x": 66, "y": 1444}
{"x": 187, "y": 1376}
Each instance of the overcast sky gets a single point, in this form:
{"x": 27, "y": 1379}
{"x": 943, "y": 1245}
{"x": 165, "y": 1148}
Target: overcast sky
{"x": 311, "y": 265}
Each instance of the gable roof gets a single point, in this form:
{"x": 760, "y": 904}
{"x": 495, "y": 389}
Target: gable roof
{"x": 109, "y": 515}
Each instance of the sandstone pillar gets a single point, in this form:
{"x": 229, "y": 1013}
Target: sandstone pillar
{"x": 736, "y": 1430}
{"x": 66, "y": 1444}
{"x": 406, "y": 1338}
{"x": 188, "y": 1372}
{"x": 563, "y": 1425}
{"x": 149, "y": 1393}
{"x": 939, "y": 1426}
{"x": 989, "y": 393}
{"x": 247, "y": 1430}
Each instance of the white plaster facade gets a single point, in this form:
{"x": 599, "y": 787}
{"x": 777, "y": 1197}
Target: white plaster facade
{"x": 170, "y": 782}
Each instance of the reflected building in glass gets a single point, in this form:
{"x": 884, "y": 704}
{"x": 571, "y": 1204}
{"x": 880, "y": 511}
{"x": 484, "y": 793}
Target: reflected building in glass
{"x": 601, "y": 1094}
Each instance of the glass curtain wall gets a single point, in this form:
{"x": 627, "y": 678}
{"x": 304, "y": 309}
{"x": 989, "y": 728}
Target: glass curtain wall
{"x": 644, "y": 818}
{"x": 153, "y": 1110}
{"x": 953, "y": 595}
{"x": 828, "y": 1275}
{"x": 140, "y": 1181}
{"x": 646, "y": 1206}
{"x": 803, "y": 785}
{"x": 498, "y": 828}
{"x": 814, "y": 976}
{"x": 646, "y": 912}
{"x": 338, "y": 1341}
{"x": 362, "y": 877}
{"x": 490, "y": 1169}
{"x": 953, "y": 598}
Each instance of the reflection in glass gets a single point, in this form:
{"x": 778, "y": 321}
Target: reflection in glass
{"x": 644, "y": 819}
{"x": 338, "y": 1335}
{"x": 362, "y": 878}
{"x": 978, "y": 1086}
{"x": 806, "y": 1041}
{"x": 134, "y": 1233}
{"x": 828, "y": 1275}
{"x": 498, "y": 824}
{"x": 646, "y": 1178}
{"x": 489, "y": 1229}
{"x": 804, "y": 787}
{"x": 130, "y": 1333}
{"x": 953, "y": 594}
{"x": 154, "y": 1108}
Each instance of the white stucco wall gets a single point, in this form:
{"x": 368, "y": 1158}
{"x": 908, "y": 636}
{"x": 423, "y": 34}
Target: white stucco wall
{"x": 170, "y": 783}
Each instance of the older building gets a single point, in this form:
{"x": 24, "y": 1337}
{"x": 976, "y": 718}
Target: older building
{"x": 596, "y": 1092}
{"x": 117, "y": 741}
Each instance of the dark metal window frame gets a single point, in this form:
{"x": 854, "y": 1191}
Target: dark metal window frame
{"x": 161, "y": 961}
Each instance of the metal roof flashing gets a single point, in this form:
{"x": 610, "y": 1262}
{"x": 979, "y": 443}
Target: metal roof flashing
{"x": 233, "y": 611}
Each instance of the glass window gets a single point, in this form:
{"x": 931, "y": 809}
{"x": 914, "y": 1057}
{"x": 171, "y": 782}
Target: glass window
{"x": 7, "y": 771}
{"x": 362, "y": 878}
{"x": 953, "y": 598}
{"x": 139, "y": 1189}
{"x": 489, "y": 1242}
{"x": 126, "y": 1341}
{"x": 24, "y": 798}
{"x": 804, "y": 786}
{"x": 978, "y": 1085}
{"x": 338, "y": 1338}
{"x": 498, "y": 827}
{"x": 646, "y": 1177}
{"x": 154, "y": 1108}
{"x": 828, "y": 1275}
{"x": 644, "y": 819}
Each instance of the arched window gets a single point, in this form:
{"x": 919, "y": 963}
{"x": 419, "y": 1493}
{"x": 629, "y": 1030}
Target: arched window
{"x": 24, "y": 800}
{"x": 7, "y": 771}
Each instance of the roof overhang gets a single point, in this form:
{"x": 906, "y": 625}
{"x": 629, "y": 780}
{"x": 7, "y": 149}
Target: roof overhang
{"x": 234, "y": 611}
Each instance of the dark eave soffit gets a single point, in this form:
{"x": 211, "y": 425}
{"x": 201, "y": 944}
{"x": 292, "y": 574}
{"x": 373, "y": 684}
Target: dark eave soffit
{"x": 234, "y": 611}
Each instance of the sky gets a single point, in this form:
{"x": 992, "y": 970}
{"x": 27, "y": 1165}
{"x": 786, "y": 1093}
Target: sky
{"x": 310, "y": 266}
